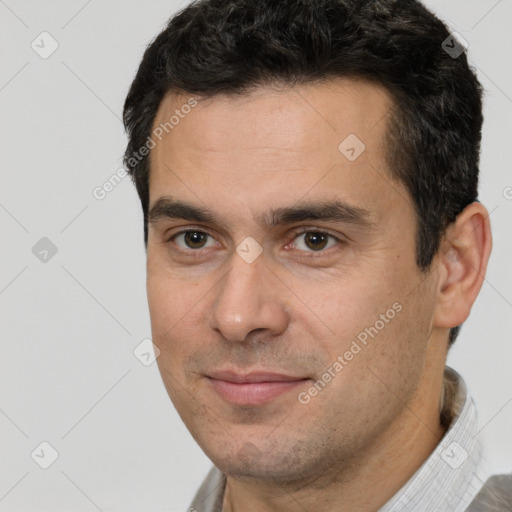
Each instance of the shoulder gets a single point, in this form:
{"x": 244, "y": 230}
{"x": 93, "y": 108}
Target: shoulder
{"x": 495, "y": 495}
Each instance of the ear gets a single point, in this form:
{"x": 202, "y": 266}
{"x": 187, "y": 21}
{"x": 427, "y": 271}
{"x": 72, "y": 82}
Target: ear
{"x": 463, "y": 257}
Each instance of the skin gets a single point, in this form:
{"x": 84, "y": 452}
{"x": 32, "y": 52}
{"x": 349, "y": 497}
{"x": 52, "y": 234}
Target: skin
{"x": 297, "y": 307}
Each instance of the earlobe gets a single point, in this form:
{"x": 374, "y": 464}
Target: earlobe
{"x": 462, "y": 260}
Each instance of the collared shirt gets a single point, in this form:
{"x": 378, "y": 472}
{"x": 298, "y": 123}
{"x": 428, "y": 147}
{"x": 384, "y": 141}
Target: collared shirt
{"x": 447, "y": 481}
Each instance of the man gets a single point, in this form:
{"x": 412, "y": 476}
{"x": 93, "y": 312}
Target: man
{"x": 308, "y": 174}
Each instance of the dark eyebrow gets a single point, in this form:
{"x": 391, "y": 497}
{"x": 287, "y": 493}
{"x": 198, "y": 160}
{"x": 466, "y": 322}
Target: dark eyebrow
{"x": 330, "y": 211}
{"x": 166, "y": 208}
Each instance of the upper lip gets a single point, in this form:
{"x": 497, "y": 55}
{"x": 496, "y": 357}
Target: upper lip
{"x": 259, "y": 376}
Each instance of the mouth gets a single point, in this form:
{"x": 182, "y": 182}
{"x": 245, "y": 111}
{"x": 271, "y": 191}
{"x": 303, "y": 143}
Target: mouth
{"x": 254, "y": 388}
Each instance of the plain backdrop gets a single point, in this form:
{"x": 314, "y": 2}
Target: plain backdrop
{"x": 72, "y": 275}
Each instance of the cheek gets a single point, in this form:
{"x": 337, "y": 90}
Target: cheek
{"x": 340, "y": 307}
{"x": 397, "y": 353}
{"x": 160, "y": 296}
{"x": 178, "y": 306}
{"x": 171, "y": 293}
{"x": 167, "y": 307}
{"x": 369, "y": 320}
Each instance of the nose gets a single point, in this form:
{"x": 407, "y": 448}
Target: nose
{"x": 250, "y": 297}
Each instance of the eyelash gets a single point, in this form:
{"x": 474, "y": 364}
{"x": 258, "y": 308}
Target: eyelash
{"x": 302, "y": 231}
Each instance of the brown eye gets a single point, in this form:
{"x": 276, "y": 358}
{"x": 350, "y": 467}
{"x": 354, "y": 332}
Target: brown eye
{"x": 195, "y": 239}
{"x": 314, "y": 241}
{"x": 192, "y": 240}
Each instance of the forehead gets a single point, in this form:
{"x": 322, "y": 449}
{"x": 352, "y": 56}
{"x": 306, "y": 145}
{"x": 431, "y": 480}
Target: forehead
{"x": 285, "y": 116}
{"x": 273, "y": 145}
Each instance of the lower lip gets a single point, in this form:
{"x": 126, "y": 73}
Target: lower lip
{"x": 252, "y": 393}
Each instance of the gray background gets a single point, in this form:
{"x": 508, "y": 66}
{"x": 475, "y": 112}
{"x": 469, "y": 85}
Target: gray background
{"x": 69, "y": 325}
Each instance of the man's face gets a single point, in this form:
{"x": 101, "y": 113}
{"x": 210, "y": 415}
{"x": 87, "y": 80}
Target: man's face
{"x": 219, "y": 305}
